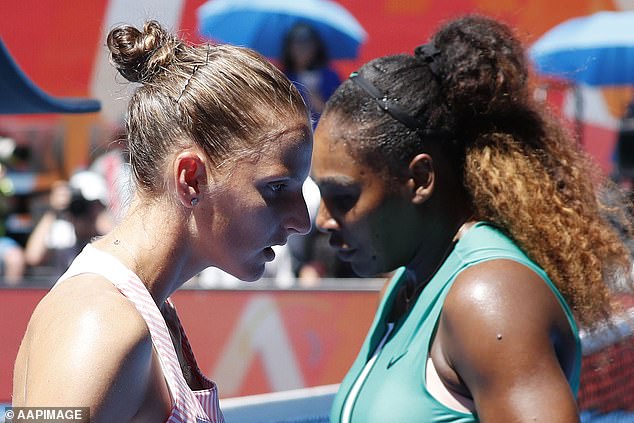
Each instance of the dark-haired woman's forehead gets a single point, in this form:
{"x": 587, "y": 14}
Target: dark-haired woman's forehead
{"x": 333, "y": 161}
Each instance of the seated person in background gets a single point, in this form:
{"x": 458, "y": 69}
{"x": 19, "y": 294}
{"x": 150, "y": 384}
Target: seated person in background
{"x": 305, "y": 62}
{"x": 11, "y": 253}
{"x": 77, "y": 213}
{"x": 624, "y": 151}
{"x": 13, "y": 262}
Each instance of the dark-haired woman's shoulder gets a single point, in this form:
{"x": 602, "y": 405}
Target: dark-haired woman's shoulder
{"x": 89, "y": 347}
{"x": 504, "y": 338}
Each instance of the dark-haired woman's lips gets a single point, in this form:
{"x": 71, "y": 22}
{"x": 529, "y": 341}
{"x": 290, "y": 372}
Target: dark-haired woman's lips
{"x": 345, "y": 254}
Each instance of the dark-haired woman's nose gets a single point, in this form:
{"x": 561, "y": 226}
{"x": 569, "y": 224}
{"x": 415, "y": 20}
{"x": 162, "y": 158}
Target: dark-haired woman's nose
{"x": 325, "y": 222}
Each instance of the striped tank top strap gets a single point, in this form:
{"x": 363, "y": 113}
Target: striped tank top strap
{"x": 185, "y": 408}
{"x": 208, "y": 397}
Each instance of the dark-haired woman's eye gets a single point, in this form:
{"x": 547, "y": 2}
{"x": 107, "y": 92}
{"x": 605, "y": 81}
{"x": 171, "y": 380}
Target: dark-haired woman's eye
{"x": 339, "y": 198}
{"x": 341, "y": 203}
{"x": 277, "y": 187}
{"x": 346, "y": 202}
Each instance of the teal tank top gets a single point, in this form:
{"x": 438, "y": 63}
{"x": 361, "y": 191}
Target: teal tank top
{"x": 394, "y": 390}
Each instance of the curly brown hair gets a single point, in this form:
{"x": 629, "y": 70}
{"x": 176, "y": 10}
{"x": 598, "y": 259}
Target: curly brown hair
{"x": 522, "y": 171}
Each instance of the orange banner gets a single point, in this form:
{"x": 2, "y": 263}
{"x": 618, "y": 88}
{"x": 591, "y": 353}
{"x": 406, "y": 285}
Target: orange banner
{"x": 249, "y": 342}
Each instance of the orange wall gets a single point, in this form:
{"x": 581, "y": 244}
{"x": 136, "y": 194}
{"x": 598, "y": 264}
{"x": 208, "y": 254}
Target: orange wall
{"x": 249, "y": 342}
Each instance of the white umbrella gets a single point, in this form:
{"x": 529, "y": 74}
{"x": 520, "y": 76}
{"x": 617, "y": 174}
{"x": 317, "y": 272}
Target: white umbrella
{"x": 593, "y": 50}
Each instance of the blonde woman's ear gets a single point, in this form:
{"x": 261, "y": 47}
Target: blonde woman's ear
{"x": 190, "y": 172}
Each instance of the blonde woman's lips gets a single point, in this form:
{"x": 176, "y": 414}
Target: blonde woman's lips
{"x": 269, "y": 254}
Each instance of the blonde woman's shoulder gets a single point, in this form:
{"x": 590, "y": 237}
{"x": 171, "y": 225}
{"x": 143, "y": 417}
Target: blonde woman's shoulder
{"x": 85, "y": 345}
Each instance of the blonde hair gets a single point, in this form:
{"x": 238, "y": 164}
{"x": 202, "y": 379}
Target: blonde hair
{"x": 548, "y": 202}
{"x": 221, "y": 97}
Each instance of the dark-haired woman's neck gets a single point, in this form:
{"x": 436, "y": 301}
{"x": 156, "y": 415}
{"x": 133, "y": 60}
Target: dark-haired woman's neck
{"x": 429, "y": 258}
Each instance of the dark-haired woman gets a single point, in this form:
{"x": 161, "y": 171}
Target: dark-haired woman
{"x": 439, "y": 165}
{"x": 220, "y": 144}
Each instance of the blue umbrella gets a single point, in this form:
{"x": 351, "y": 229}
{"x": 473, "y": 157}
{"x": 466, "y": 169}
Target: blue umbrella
{"x": 19, "y": 95}
{"x": 263, "y": 24}
{"x": 594, "y": 50}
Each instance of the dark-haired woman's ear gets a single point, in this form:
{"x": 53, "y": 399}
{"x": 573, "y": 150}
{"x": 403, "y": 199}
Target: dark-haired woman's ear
{"x": 191, "y": 175}
{"x": 422, "y": 176}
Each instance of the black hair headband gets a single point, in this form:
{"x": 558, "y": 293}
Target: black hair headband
{"x": 387, "y": 105}
{"x": 393, "y": 109}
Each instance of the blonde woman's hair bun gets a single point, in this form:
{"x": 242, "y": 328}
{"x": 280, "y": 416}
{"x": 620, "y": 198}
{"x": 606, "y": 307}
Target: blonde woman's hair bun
{"x": 141, "y": 56}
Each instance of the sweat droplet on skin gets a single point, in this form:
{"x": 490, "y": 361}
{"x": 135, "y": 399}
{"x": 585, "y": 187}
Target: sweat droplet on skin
{"x": 499, "y": 336}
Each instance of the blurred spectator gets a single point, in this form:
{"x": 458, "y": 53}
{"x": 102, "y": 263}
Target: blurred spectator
{"x": 624, "y": 153}
{"x": 114, "y": 166}
{"x": 279, "y": 271}
{"x": 77, "y": 213}
{"x": 11, "y": 253}
{"x": 305, "y": 62}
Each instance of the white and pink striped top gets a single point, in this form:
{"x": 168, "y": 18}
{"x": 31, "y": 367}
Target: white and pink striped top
{"x": 188, "y": 406}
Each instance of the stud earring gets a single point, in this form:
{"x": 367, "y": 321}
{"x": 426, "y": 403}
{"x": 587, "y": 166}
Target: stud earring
{"x": 194, "y": 201}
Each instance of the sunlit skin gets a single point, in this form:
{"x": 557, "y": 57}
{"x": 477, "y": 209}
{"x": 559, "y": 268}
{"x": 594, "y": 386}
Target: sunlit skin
{"x": 503, "y": 343}
{"x": 99, "y": 343}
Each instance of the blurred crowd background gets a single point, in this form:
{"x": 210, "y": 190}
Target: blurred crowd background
{"x": 63, "y": 178}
